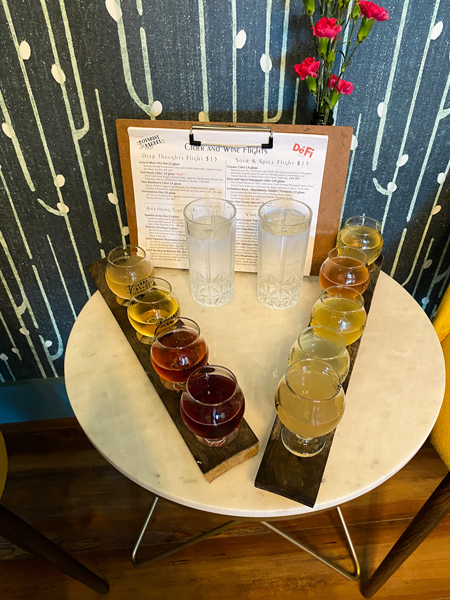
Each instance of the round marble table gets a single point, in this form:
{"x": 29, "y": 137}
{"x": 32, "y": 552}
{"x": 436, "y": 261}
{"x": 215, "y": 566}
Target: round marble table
{"x": 392, "y": 401}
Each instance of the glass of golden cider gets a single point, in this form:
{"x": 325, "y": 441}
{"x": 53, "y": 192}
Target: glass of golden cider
{"x": 345, "y": 265}
{"x": 310, "y": 403}
{"x": 364, "y": 233}
{"x": 324, "y": 343}
{"x": 341, "y": 308}
{"x": 125, "y": 266}
{"x": 152, "y": 302}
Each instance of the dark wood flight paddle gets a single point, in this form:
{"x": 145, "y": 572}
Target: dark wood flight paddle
{"x": 296, "y": 478}
{"x": 211, "y": 461}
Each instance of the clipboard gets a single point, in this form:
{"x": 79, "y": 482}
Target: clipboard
{"x": 334, "y": 177}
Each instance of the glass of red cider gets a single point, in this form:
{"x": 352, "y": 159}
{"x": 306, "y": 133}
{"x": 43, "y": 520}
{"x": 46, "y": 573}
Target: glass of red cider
{"x": 178, "y": 349}
{"x": 212, "y": 405}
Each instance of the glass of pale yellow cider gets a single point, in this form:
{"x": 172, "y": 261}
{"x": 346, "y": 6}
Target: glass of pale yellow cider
{"x": 324, "y": 343}
{"x": 341, "y": 308}
{"x": 310, "y": 403}
{"x": 152, "y": 302}
{"x": 125, "y": 266}
{"x": 364, "y": 233}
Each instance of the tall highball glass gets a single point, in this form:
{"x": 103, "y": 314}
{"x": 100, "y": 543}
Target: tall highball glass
{"x": 210, "y": 225}
{"x": 283, "y": 236}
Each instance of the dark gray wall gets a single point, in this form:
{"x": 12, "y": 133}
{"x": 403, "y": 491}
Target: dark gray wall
{"x": 70, "y": 68}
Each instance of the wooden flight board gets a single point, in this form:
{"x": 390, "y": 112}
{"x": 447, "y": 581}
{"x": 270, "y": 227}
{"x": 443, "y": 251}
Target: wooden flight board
{"x": 211, "y": 461}
{"x": 293, "y": 477}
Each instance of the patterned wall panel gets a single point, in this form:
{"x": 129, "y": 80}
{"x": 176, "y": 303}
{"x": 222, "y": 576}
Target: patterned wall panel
{"x": 70, "y": 68}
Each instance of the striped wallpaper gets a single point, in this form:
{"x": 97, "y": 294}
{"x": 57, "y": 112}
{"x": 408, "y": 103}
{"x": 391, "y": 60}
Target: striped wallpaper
{"x": 71, "y": 67}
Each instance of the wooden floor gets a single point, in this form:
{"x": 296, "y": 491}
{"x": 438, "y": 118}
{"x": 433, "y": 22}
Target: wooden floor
{"x": 64, "y": 488}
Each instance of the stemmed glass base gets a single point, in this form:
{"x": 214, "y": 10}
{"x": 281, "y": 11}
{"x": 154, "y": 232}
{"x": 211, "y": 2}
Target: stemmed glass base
{"x": 122, "y": 301}
{"x": 144, "y": 339}
{"x": 172, "y": 385}
{"x": 218, "y": 442}
{"x": 301, "y": 446}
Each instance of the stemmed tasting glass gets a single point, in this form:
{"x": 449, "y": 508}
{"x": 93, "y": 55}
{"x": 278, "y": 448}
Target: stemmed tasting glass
{"x": 125, "y": 266}
{"x": 152, "y": 302}
{"x": 364, "y": 233}
{"x": 345, "y": 266}
{"x": 177, "y": 350}
{"x": 341, "y": 308}
{"x": 310, "y": 404}
{"x": 324, "y": 343}
{"x": 212, "y": 405}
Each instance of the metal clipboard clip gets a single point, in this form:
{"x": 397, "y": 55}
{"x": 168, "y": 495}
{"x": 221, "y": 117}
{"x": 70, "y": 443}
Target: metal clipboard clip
{"x": 258, "y": 132}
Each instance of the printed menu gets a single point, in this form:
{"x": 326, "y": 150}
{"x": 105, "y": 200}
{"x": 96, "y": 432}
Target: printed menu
{"x": 168, "y": 172}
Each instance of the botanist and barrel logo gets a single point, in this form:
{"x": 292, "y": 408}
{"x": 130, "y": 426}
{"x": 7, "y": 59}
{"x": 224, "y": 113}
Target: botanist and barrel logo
{"x": 149, "y": 142}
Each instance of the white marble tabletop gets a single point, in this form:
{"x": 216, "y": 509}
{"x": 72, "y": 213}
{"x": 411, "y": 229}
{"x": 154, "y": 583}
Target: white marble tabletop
{"x": 392, "y": 401}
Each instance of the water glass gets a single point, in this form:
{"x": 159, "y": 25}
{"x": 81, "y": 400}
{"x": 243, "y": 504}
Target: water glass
{"x": 364, "y": 233}
{"x": 177, "y": 350}
{"x": 341, "y": 308}
{"x": 212, "y": 405}
{"x": 152, "y": 302}
{"x": 324, "y": 343}
{"x": 283, "y": 236}
{"x": 125, "y": 266}
{"x": 345, "y": 265}
{"x": 210, "y": 226}
{"x": 310, "y": 404}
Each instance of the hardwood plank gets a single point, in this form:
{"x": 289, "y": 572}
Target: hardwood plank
{"x": 430, "y": 515}
{"x": 225, "y": 569}
{"x": 21, "y": 533}
{"x": 74, "y": 497}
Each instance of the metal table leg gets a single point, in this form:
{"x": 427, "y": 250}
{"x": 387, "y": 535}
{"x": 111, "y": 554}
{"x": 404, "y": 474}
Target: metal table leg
{"x": 353, "y": 576}
{"x": 191, "y": 542}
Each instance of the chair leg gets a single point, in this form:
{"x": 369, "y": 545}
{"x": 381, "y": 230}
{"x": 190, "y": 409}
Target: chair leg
{"x": 431, "y": 513}
{"x": 20, "y": 533}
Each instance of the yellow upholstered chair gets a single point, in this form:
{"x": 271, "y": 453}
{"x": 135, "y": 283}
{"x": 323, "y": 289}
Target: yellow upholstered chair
{"x": 3, "y": 464}
{"x": 20, "y": 533}
{"x": 440, "y": 436}
{"x": 438, "y": 504}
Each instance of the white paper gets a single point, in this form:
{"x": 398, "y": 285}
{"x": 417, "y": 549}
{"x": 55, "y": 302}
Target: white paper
{"x": 168, "y": 173}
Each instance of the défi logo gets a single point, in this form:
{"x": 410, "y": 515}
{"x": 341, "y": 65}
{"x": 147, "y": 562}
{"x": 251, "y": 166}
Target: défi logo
{"x": 303, "y": 150}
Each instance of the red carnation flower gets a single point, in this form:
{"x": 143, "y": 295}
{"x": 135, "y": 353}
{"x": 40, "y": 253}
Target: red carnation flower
{"x": 326, "y": 28}
{"x": 343, "y": 87}
{"x": 370, "y": 10}
{"x": 308, "y": 68}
